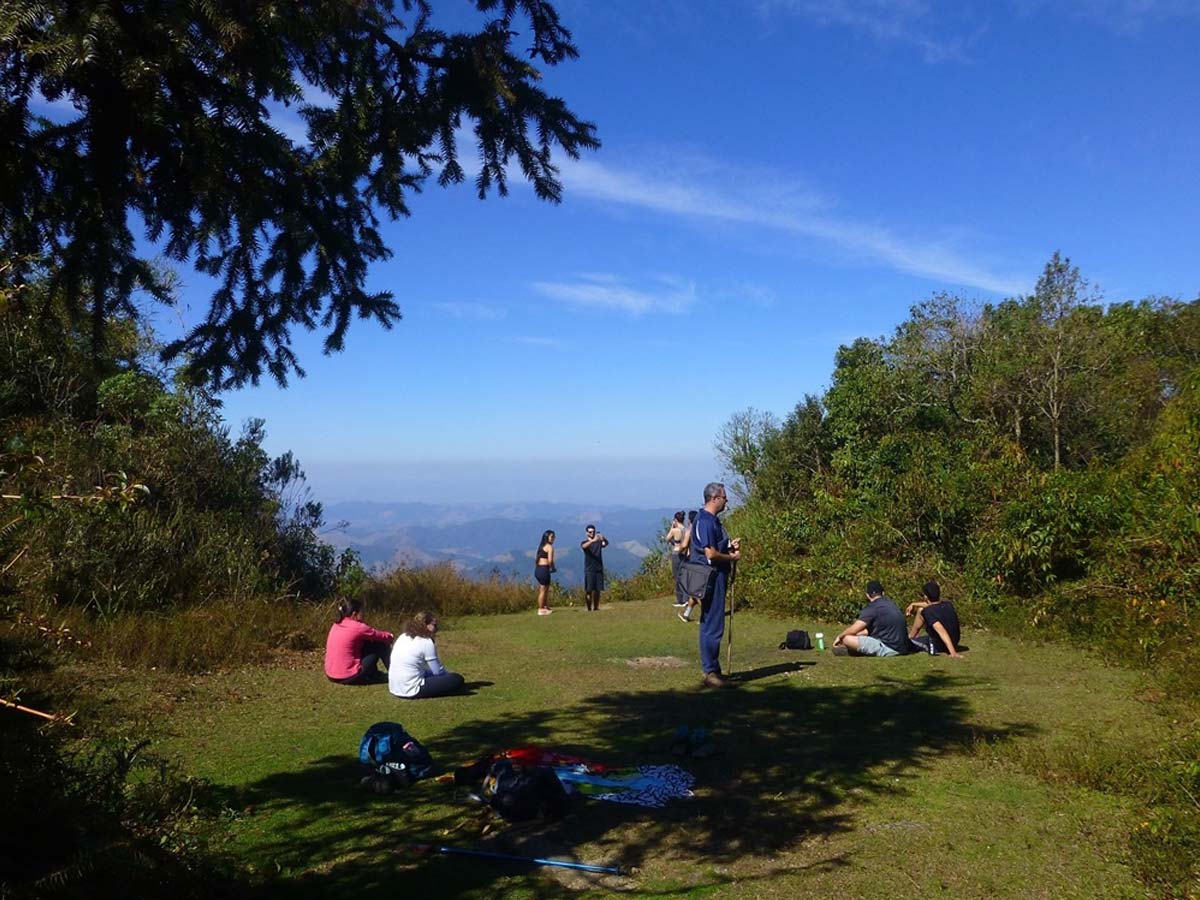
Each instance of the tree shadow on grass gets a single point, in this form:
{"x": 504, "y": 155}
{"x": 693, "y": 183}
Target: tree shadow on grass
{"x": 796, "y": 761}
{"x": 767, "y": 671}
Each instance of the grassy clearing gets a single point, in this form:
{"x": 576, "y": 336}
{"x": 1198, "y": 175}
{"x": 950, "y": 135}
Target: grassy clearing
{"x": 868, "y": 778}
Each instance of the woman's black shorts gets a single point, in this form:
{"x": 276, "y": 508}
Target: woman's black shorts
{"x": 542, "y": 574}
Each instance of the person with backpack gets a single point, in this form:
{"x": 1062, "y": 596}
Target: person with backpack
{"x": 415, "y": 671}
{"x": 353, "y": 649}
{"x": 685, "y": 549}
{"x": 674, "y": 541}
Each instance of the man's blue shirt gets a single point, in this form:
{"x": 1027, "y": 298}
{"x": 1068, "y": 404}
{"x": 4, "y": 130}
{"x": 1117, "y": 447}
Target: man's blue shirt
{"x": 709, "y": 533}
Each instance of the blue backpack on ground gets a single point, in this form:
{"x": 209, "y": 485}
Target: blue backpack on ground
{"x": 391, "y": 757}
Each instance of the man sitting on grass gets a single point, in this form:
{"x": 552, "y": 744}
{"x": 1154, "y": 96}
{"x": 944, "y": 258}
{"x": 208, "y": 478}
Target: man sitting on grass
{"x": 939, "y": 618}
{"x": 885, "y": 626}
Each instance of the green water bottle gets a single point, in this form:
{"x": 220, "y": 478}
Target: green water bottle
{"x": 820, "y": 640}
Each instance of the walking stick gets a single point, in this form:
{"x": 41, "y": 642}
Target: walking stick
{"x": 729, "y": 601}
{"x": 52, "y": 717}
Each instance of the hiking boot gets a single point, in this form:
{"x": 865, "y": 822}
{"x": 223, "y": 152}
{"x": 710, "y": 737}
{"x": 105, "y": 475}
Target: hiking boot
{"x": 714, "y": 680}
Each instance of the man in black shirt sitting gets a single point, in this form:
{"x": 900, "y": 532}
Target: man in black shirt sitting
{"x": 884, "y": 625}
{"x": 939, "y": 618}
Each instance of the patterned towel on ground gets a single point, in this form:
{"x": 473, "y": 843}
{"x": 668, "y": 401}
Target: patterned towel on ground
{"x": 649, "y": 786}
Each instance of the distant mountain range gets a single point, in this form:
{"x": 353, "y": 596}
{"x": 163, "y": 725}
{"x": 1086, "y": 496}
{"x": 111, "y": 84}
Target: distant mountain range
{"x": 486, "y": 538}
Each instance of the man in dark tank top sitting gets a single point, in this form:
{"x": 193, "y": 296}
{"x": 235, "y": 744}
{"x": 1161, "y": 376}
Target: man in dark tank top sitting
{"x": 940, "y": 620}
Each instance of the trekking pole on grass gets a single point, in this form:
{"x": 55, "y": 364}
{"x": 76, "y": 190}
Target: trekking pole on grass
{"x": 531, "y": 860}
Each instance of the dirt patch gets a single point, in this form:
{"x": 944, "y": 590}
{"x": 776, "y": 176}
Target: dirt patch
{"x": 655, "y": 662}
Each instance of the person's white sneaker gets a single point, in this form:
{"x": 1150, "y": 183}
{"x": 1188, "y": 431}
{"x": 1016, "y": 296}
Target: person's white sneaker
{"x": 683, "y": 618}
{"x": 545, "y": 611}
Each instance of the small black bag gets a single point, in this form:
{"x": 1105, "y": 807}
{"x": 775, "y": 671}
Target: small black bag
{"x": 796, "y": 640}
{"x": 521, "y": 793}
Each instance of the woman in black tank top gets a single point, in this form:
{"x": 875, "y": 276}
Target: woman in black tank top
{"x": 543, "y": 566}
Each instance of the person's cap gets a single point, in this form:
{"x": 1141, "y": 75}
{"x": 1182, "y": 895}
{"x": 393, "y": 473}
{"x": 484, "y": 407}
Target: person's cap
{"x": 932, "y": 591}
{"x": 873, "y": 588}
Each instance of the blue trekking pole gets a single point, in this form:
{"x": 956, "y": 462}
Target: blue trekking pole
{"x": 533, "y": 860}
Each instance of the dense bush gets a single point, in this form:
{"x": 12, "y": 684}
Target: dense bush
{"x": 1040, "y": 458}
{"x": 124, "y": 490}
{"x": 1039, "y": 455}
{"x": 90, "y": 808}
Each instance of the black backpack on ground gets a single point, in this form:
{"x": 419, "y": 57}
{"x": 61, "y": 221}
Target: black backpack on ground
{"x": 520, "y": 793}
{"x": 796, "y": 640}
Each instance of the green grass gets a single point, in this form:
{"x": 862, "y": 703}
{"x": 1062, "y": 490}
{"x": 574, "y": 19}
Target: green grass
{"x": 995, "y": 776}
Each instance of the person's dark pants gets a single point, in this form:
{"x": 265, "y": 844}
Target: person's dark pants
{"x": 681, "y": 597}
{"x": 440, "y": 685}
{"x": 374, "y": 653}
{"x": 593, "y": 584}
{"x": 712, "y": 623}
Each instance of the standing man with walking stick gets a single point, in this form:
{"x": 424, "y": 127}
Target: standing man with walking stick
{"x": 712, "y": 547}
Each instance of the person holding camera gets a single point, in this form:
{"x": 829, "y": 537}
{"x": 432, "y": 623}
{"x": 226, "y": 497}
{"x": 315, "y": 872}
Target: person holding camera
{"x": 711, "y": 546}
{"x": 593, "y": 566}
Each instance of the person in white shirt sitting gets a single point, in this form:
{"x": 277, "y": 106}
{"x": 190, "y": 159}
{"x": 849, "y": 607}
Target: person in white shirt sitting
{"x": 415, "y": 671}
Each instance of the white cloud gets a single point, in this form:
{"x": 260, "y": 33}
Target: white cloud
{"x": 909, "y": 22}
{"x": 944, "y": 30}
{"x": 740, "y": 200}
{"x": 482, "y": 312}
{"x": 1127, "y": 16}
{"x": 608, "y": 292}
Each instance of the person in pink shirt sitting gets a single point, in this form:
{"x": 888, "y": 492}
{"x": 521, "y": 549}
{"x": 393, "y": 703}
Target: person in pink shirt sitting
{"x": 354, "y": 649}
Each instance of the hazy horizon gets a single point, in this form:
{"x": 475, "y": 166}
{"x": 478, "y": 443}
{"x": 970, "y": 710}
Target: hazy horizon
{"x": 637, "y": 484}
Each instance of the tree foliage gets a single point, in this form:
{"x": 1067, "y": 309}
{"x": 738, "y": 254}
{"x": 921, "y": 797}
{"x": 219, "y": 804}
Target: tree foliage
{"x": 175, "y": 134}
{"x": 147, "y": 502}
{"x": 1036, "y": 454}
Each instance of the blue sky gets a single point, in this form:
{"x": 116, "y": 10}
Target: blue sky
{"x": 777, "y": 178}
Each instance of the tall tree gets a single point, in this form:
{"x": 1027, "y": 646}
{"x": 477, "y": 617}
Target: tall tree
{"x": 173, "y": 137}
{"x": 1059, "y": 344}
{"x": 739, "y": 446}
